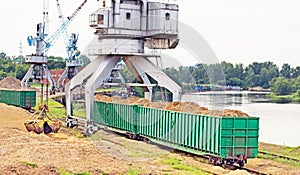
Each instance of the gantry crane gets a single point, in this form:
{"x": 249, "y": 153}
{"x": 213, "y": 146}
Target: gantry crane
{"x": 43, "y": 43}
{"x": 73, "y": 63}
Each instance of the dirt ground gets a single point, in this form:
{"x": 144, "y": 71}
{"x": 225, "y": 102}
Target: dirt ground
{"x": 22, "y": 152}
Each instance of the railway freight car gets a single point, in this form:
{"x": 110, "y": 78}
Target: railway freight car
{"x": 20, "y": 98}
{"x": 226, "y": 140}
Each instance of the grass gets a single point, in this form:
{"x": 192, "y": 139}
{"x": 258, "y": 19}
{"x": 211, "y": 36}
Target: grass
{"x": 79, "y": 110}
{"x": 80, "y": 136}
{"x": 36, "y": 85}
{"x": 108, "y": 89}
{"x": 65, "y": 172}
{"x": 31, "y": 164}
{"x": 292, "y": 152}
{"x": 279, "y": 98}
{"x": 279, "y": 160}
{"x": 135, "y": 171}
{"x": 56, "y": 108}
{"x": 294, "y": 98}
{"x": 177, "y": 164}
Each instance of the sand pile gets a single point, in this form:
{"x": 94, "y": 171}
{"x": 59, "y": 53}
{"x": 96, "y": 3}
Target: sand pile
{"x": 10, "y": 83}
{"x": 13, "y": 117}
{"x": 188, "y": 107}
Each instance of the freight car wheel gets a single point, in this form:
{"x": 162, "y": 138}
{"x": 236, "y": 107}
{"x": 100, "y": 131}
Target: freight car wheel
{"x": 212, "y": 160}
{"x": 241, "y": 163}
{"x": 224, "y": 163}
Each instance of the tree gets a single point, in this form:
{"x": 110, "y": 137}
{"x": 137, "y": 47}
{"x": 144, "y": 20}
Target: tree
{"x": 56, "y": 64}
{"x": 2, "y": 75}
{"x": 281, "y": 86}
{"x": 173, "y": 74}
{"x": 199, "y": 74}
{"x": 235, "y": 82}
{"x": 228, "y": 70}
{"x": 216, "y": 74}
{"x": 21, "y": 70}
{"x": 239, "y": 71}
{"x": 285, "y": 71}
{"x": 185, "y": 75}
{"x": 260, "y": 74}
{"x": 129, "y": 78}
{"x": 295, "y": 72}
{"x": 86, "y": 60}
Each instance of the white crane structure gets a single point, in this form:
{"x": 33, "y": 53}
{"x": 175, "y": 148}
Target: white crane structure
{"x": 73, "y": 63}
{"x": 43, "y": 43}
{"x": 124, "y": 28}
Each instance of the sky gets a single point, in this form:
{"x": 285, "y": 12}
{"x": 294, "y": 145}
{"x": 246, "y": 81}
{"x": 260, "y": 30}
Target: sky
{"x": 238, "y": 31}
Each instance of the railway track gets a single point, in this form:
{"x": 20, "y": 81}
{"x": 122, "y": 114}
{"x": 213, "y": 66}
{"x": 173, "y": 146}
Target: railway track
{"x": 195, "y": 156}
{"x": 230, "y": 167}
{"x": 279, "y": 156}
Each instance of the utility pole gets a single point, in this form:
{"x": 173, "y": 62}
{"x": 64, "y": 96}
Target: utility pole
{"x": 21, "y": 51}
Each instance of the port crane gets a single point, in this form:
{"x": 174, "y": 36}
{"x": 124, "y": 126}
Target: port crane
{"x": 124, "y": 28}
{"x": 73, "y": 62}
{"x": 43, "y": 43}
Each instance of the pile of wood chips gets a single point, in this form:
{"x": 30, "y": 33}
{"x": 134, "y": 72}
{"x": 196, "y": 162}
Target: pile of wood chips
{"x": 10, "y": 83}
{"x": 188, "y": 107}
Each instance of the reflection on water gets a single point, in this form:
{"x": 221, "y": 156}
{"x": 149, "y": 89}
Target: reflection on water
{"x": 279, "y": 123}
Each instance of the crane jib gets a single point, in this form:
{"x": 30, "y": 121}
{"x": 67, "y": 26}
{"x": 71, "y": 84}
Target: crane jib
{"x": 51, "y": 40}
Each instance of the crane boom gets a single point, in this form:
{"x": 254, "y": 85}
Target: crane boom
{"x": 51, "y": 40}
{"x": 62, "y": 19}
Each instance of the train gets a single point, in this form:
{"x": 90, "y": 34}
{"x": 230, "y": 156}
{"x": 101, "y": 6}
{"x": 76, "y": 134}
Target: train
{"x": 18, "y": 97}
{"x": 225, "y": 140}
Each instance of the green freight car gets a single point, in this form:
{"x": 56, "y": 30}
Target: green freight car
{"x": 226, "y": 140}
{"x": 20, "y": 98}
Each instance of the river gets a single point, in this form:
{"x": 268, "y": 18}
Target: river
{"x": 279, "y": 123}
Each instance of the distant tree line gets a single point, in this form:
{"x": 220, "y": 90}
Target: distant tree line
{"x": 282, "y": 81}
{"x": 16, "y": 67}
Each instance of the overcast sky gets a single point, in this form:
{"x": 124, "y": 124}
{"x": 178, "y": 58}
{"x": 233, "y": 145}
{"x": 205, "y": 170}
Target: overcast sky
{"x": 237, "y": 30}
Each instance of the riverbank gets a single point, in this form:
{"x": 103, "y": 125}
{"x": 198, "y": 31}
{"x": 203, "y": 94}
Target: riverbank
{"x": 294, "y": 98}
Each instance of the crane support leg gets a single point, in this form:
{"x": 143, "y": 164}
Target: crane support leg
{"x": 50, "y": 79}
{"x": 28, "y": 75}
{"x": 142, "y": 63}
{"x": 62, "y": 78}
{"x": 36, "y": 72}
{"x": 79, "y": 80}
{"x": 140, "y": 76}
{"x": 98, "y": 77}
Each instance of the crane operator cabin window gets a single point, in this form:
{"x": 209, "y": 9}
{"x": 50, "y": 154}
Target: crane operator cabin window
{"x": 128, "y": 16}
{"x": 100, "y": 19}
{"x": 167, "y": 16}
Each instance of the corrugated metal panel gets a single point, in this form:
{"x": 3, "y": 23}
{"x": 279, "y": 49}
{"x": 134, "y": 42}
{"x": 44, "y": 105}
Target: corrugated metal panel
{"x": 239, "y": 136}
{"x": 20, "y": 98}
